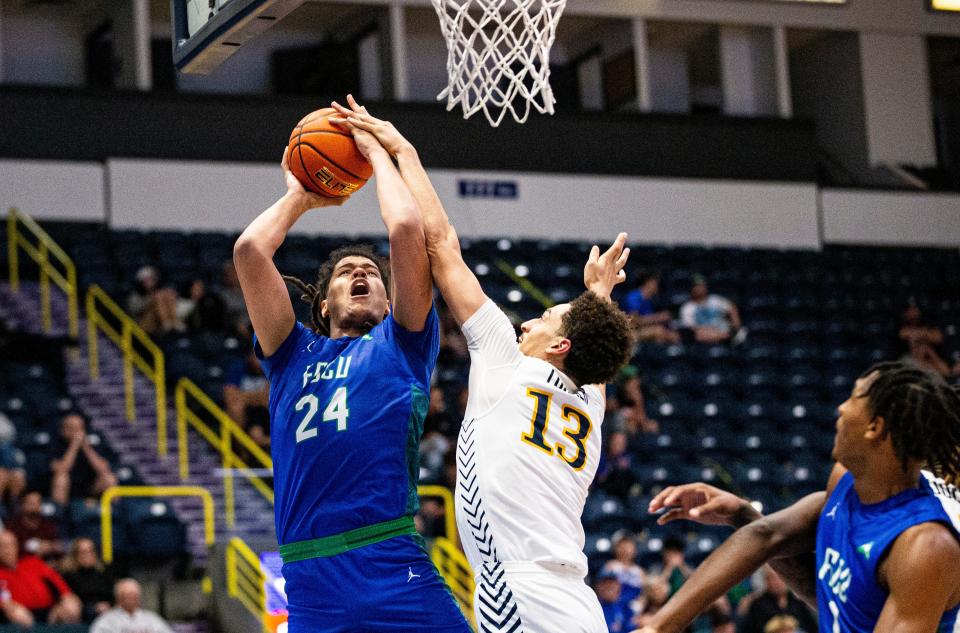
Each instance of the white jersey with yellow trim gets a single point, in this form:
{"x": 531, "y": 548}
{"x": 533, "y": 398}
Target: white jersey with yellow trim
{"x": 527, "y": 453}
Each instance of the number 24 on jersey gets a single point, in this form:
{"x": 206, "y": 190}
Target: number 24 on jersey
{"x": 336, "y": 411}
{"x": 538, "y": 428}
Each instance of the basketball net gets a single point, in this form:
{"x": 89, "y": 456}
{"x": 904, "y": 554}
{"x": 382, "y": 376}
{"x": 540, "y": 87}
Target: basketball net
{"x": 498, "y": 55}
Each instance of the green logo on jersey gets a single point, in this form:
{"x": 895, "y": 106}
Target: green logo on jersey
{"x": 366, "y": 337}
{"x": 865, "y": 549}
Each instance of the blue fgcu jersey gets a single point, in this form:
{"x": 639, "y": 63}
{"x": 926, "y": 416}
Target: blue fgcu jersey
{"x": 852, "y": 540}
{"x": 346, "y": 419}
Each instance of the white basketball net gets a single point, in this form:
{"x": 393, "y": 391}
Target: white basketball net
{"x": 498, "y": 55}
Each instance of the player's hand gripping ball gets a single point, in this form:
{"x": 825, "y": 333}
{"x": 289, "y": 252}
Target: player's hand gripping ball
{"x": 324, "y": 158}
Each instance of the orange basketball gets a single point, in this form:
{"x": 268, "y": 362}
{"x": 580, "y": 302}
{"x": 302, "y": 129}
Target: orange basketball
{"x": 324, "y": 158}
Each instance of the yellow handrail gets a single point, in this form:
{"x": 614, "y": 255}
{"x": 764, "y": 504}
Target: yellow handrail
{"x": 453, "y": 566}
{"x": 152, "y": 368}
{"x": 245, "y": 578}
{"x": 106, "y": 525}
{"x": 222, "y": 439}
{"x": 41, "y": 253}
{"x": 449, "y": 515}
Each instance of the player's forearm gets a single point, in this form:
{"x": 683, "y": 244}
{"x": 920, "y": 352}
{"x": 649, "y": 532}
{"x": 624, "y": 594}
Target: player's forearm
{"x": 398, "y": 208}
{"x": 800, "y": 574}
{"x": 741, "y": 555}
{"x": 266, "y": 233}
{"x": 436, "y": 224}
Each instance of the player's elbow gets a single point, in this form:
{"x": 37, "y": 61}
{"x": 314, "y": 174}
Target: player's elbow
{"x": 407, "y": 226}
{"x": 763, "y": 536}
{"x": 246, "y": 250}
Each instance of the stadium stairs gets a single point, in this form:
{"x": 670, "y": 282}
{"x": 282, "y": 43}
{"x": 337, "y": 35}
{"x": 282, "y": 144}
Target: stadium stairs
{"x": 103, "y": 401}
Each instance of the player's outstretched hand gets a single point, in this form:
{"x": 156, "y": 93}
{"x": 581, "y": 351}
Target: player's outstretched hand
{"x": 603, "y": 272}
{"x": 358, "y": 116}
{"x": 702, "y": 503}
{"x": 305, "y": 199}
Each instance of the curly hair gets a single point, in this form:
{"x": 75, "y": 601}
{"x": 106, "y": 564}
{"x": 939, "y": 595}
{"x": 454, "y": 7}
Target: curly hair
{"x": 315, "y": 293}
{"x": 600, "y": 339}
{"x": 921, "y": 415}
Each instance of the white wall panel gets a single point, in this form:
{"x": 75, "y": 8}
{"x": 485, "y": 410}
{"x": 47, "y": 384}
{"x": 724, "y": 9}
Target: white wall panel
{"x": 869, "y": 217}
{"x": 53, "y": 190}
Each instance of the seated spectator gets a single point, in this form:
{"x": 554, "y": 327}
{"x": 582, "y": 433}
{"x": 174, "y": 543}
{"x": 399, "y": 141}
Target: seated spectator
{"x": 37, "y": 534}
{"x": 774, "y": 600}
{"x": 127, "y": 615}
{"x": 154, "y": 307}
{"x": 649, "y": 323}
{"x": 13, "y": 479}
{"x": 235, "y": 309}
{"x": 919, "y": 341}
{"x": 37, "y": 594}
{"x": 674, "y": 563}
{"x": 89, "y": 578}
{"x": 614, "y": 472}
{"x": 625, "y": 568}
{"x": 616, "y": 613}
{"x": 633, "y": 413}
{"x": 199, "y": 310}
{"x": 78, "y": 471}
{"x": 711, "y": 318}
{"x": 782, "y": 624}
{"x": 656, "y": 592}
{"x": 246, "y": 393}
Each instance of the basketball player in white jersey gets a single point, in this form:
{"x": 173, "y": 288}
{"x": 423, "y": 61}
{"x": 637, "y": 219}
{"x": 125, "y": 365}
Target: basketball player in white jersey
{"x": 530, "y": 441}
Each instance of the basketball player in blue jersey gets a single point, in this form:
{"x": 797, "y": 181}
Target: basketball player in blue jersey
{"x": 886, "y": 533}
{"x": 347, "y": 401}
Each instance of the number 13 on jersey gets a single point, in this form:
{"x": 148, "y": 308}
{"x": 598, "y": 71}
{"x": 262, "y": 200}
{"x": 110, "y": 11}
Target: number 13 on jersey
{"x": 538, "y": 427}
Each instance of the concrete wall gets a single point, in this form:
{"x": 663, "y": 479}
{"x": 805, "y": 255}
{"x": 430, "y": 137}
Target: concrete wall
{"x": 53, "y": 190}
{"x": 896, "y": 92}
{"x": 161, "y": 194}
{"x": 903, "y": 219}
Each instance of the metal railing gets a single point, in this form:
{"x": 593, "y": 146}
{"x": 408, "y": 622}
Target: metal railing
{"x": 224, "y": 439}
{"x": 104, "y": 315}
{"x": 44, "y": 251}
{"x": 106, "y": 514}
{"x": 453, "y": 566}
{"x": 245, "y": 578}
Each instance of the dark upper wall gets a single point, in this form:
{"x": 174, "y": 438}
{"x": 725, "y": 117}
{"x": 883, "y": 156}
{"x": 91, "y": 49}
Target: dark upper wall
{"x": 47, "y": 123}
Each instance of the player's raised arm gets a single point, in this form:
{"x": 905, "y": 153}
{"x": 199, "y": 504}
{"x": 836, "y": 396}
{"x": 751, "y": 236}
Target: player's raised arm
{"x": 264, "y": 290}
{"x": 412, "y": 291}
{"x": 602, "y": 272}
{"x": 459, "y": 286}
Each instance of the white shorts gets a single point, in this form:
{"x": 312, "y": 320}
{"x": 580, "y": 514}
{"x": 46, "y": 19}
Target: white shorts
{"x": 520, "y": 597}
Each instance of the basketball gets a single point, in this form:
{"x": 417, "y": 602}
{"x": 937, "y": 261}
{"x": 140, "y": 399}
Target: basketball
{"x": 324, "y": 158}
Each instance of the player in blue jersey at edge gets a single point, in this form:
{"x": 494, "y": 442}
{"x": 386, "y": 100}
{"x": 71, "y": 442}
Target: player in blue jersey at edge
{"x": 347, "y": 401}
{"x": 880, "y": 549}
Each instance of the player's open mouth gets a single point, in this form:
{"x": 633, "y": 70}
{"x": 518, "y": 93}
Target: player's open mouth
{"x": 359, "y": 288}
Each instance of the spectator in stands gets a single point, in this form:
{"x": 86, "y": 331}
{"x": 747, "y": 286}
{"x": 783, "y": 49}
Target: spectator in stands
{"x": 79, "y": 472}
{"x": 624, "y": 567}
{"x": 919, "y": 341}
{"x": 633, "y": 413}
{"x": 36, "y": 592}
{"x": 439, "y": 432}
{"x": 235, "y": 310}
{"x": 711, "y": 318}
{"x": 128, "y": 615}
{"x": 615, "y": 470}
{"x": 649, "y": 323}
{"x": 782, "y": 624}
{"x": 773, "y": 600}
{"x": 615, "y": 611}
{"x": 154, "y": 307}
{"x": 13, "y": 479}
{"x": 37, "y": 534}
{"x": 198, "y": 309}
{"x": 675, "y": 568}
{"x": 90, "y": 579}
{"x": 656, "y": 592}
{"x": 246, "y": 392}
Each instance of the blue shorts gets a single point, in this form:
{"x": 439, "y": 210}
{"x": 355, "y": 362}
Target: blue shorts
{"x": 387, "y": 586}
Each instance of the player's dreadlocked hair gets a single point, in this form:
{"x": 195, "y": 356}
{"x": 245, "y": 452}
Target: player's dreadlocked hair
{"x": 600, "y": 339}
{"x": 317, "y": 292}
{"x": 921, "y": 414}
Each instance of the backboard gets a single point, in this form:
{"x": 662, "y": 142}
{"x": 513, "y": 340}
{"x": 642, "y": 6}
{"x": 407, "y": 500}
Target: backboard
{"x": 207, "y": 32}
